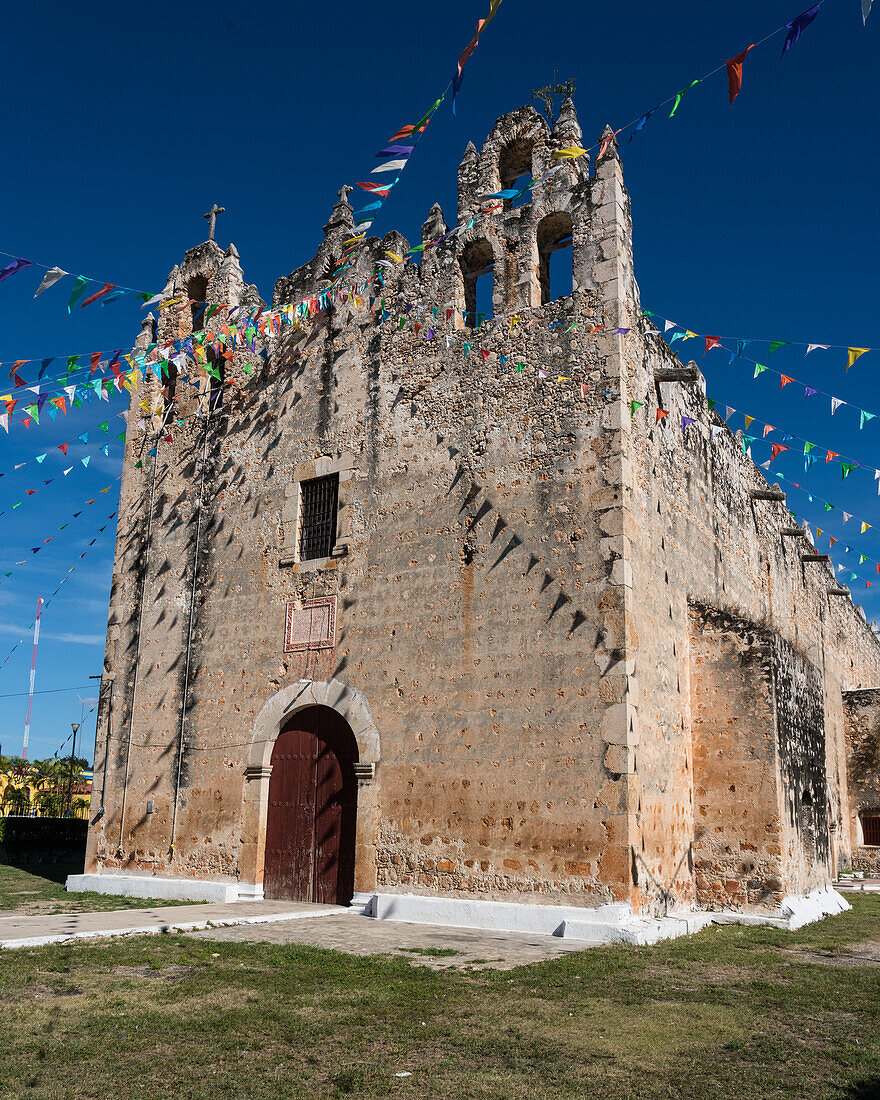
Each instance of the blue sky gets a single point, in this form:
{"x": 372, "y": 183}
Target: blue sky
{"x": 756, "y": 221}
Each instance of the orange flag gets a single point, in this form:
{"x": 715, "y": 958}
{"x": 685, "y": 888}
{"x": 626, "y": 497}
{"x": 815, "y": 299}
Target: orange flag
{"x": 660, "y": 414}
{"x": 735, "y": 73}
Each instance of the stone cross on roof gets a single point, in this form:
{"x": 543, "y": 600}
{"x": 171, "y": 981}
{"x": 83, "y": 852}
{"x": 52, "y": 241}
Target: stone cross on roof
{"x": 212, "y": 217}
{"x": 344, "y": 191}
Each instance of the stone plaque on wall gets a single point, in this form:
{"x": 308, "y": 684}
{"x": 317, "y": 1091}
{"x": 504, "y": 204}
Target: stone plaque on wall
{"x": 310, "y": 625}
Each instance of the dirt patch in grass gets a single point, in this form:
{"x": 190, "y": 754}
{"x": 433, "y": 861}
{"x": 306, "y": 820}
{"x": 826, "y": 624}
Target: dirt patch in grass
{"x": 153, "y": 972}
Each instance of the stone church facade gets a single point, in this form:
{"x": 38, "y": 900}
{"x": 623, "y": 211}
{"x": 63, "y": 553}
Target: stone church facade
{"x": 391, "y": 617}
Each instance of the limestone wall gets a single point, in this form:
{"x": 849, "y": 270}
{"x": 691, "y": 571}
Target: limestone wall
{"x": 695, "y": 535}
{"x": 862, "y": 725}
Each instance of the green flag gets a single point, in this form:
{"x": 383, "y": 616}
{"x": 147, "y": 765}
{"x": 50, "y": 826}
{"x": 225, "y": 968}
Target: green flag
{"x": 679, "y": 96}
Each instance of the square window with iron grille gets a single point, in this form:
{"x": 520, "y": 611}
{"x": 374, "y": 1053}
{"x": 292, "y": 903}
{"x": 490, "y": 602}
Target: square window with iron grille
{"x": 317, "y": 517}
{"x": 871, "y": 830}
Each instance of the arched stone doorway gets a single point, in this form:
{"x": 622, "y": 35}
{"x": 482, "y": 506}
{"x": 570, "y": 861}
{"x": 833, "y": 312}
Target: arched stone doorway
{"x": 280, "y": 712}
{"x": 312, "y": 811}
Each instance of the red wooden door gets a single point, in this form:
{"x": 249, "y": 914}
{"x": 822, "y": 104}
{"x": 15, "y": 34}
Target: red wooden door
{"x": 312, "y": 808}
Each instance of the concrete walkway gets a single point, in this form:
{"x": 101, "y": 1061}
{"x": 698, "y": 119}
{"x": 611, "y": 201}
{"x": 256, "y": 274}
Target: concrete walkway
{"x": 34, "y": 931}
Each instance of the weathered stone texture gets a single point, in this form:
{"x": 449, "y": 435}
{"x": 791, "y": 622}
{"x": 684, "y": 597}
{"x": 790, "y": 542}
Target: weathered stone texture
{"x": 532, "y": 586}
{"x": 862, "y": 724}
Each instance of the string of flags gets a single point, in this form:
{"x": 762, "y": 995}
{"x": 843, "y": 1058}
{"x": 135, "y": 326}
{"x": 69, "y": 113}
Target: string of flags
{"x": 76, "y": 364}
{"x": 737, "y": 353}
{"x": 776, "y": 447}
{"x": 81, "y": 464}
{"x": 82, "y": 293}
{"x": 34, "y": 550}
{"x": 63, "y": 581}
{"x": 683, "y": 333}
{"x": 396, "y": 152}
{"x": 832, "y": 541}
{"x": 83, "y": 438}
{"x": 793, "y": 30}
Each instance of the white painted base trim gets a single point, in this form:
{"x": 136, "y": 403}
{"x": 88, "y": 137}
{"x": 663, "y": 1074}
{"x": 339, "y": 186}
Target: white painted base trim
{"x": 248, "y": 891}
{"x": 154, "y": 886}
{"x": 614, "y": 923}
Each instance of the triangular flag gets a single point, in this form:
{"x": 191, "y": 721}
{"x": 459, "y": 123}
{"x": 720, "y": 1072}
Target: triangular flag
{"x": 830, "y": 455}
{"x": 797, "y": 26}
{"x": 776, "y": 449}
{"x": 864, "y": 417}
{"x": 735, "y": 73}
{"x": 835, "y": 404}
{"x": 759, "y": 369}
{"x": 634, "y": 407}
{"x": 784, "y": 381}
{"x": 712, "y": 342}
{"x": 774, "y": 344}
{"x": 812, "y": 347}
{"x": 846, "y": 468}
{"x": 660, "y": 415}
{"x": 79, "y": 288}
{"x": 865, "y": 526}
{"x": 686, "y": 421}
{"x": 748, "y": 419}
{"x": 853, "y": 354}
{"x": 768, "y": 428}
{"x": 679, "y": 96}
{"x": 50, "y": 279}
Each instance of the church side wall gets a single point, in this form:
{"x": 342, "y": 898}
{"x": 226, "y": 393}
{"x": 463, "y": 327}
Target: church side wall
{"x": 698, "y": 537}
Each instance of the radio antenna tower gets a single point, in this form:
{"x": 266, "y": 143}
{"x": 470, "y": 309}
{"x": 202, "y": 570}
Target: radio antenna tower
{"x": 27, "y": 721}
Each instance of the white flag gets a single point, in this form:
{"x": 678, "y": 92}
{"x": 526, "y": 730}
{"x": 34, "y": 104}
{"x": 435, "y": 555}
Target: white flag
{"x": 812, "y": 347}
{"x": 50, "y": 279}
{"x": 390, "y": 166}
{"x": 835, "y": 404}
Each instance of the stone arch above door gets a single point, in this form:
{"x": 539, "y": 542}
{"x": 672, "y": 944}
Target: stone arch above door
{"x": 347, "y": 701}
{"x": 351, "y": 705}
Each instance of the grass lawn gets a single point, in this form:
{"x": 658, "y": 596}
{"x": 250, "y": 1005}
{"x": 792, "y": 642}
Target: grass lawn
{"x": 39, "y": 889}
{"x": 731, "y": 1012}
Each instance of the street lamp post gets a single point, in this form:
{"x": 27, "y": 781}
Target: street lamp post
{"x": 74, "y": 726}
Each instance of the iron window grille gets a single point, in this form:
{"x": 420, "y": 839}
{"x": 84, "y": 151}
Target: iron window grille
{"x": 317, "y": 527}
{"x": 871, "y": 831}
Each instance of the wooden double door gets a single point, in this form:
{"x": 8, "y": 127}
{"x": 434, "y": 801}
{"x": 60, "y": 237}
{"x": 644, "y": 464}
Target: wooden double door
{"x": 310, "y": 828}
